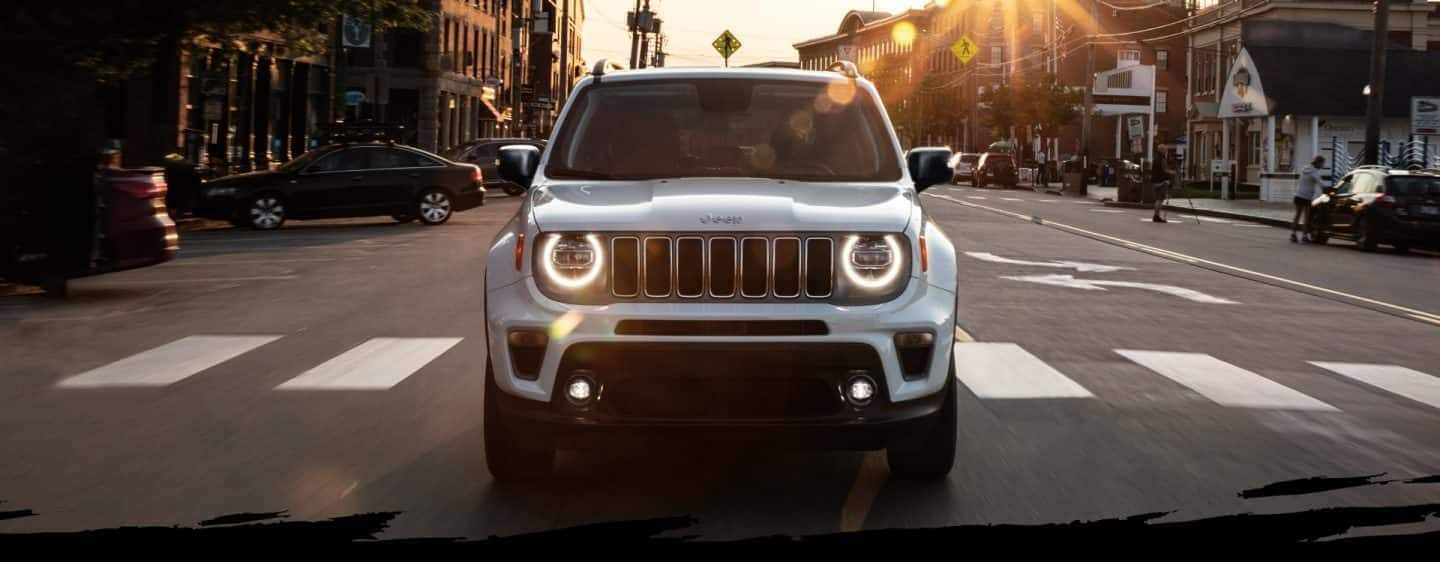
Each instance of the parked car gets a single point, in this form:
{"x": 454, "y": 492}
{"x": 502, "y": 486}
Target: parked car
{"x": 484, "y": 153}
{"x": 347, "y": 180}
{"x": 795, "y": 294}
{"x": 1374, "y": 205}
{"x": 995, "y": 168}
{"x": 1107, "y": 171}
{"x": 118, "y": 223}
{"x": 964, "y": 165}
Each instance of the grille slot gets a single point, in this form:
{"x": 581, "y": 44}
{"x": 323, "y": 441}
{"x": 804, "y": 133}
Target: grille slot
{"x": 721, "y": 267}
{"x": 625, "y": 268}
{"x": 657, "y": 267}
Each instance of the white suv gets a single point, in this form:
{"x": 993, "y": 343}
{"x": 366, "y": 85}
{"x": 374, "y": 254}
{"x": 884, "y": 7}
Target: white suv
{"x": 721, "y": 253}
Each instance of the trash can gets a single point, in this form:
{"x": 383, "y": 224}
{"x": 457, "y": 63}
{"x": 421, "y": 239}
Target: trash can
{"x": 1133, "y": 189}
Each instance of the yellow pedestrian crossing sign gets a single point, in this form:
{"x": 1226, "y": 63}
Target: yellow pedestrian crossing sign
{"x": 965, "y": 49}
{"x": 726, "y": 44}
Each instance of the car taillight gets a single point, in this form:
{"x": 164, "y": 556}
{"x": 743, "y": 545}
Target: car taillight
{"x": 140, "y": 187}
{"x": 476, "y": 176}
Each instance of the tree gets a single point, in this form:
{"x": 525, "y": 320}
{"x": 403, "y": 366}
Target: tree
{"x": 1000, "y": 109}
{"x": 60, "y": 56}
{"x": 1049, "y": 105}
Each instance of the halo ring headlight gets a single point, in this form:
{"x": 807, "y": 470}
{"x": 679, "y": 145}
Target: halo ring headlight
{"x": 568, "y": 281}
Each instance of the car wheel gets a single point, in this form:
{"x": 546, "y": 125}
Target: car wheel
{"x": 514, "y": 189}
{"x": 403, "y": 217}
{"x": 434, "y": 207}
{"x": 511, "y": 455}
{"x": 929, "y": 454}
{"x": 266, "y": 212}
{"x": 1365, "y": 236}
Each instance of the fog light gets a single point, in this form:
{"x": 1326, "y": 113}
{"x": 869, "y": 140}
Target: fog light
{"x": 580, "y": 389}
{"x": 528, "y": 339}
{"x": 860, "y": 389}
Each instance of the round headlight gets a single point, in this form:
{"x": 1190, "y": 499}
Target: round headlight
{"x": 572, "y": 261}
{"x": 871, "y": 262}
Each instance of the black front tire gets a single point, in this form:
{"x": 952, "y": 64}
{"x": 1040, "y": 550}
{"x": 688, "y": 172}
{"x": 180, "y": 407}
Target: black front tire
{"x": 266, "y": 212}
{"x": 512, "y": 455}
{"x": 434, "y": 207}
{"x": 1365, "y": 236}
{"x": 930, "y": 453}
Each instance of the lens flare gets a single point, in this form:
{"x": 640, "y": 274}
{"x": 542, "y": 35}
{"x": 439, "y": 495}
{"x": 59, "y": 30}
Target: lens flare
{"x": 565, "y": 324}
{"x": 903, "y": 33}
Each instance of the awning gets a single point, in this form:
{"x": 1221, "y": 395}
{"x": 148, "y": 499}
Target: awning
{"x": 491, "y": 114}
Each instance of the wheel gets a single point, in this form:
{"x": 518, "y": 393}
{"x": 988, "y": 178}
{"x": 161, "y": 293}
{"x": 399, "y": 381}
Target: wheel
{"x": 929, "y": 454}
{"x": 266, "y": 212}
{"x": 511, "y": 455}
{"x": 403, "y": 217}
{"x": 1365, "y": 236}
{"x": 514, "y": 189}
{"x": 56, "y": 287}
{"x": 434, "y": 207}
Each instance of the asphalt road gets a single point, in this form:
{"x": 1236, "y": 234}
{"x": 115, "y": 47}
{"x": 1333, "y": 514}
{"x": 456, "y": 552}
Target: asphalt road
{"x": 1149, "y": 380}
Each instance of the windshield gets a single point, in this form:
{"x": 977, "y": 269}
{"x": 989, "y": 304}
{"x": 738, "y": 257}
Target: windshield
{"x": 1412, "y": 185}
{"x": 783, "y": 129}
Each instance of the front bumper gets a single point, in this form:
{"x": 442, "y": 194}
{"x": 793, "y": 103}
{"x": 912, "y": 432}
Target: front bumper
{"x": 791, "y": 382}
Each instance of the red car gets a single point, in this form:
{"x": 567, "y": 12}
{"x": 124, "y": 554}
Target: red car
{"x": 61, "y": 235}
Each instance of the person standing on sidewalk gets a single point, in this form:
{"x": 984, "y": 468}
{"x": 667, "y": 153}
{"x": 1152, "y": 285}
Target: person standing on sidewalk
{"x": 1160, "y": 179}
{"x": 1310, "y": 187}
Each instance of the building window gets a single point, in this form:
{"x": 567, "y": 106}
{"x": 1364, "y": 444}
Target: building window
{"x": 1127, "y": 57}
{"x": 1162, "y": 101}
{"x": 1162, "y": 59}
{"x": 1253, "y": 138}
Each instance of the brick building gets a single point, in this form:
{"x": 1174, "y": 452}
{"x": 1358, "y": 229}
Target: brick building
{"x": 1015, "y": 42}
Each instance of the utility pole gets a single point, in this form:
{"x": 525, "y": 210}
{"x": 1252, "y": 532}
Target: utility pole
{"x": 1375, "y": 96}
{"x": 1089, "y": 86}
{"x": 635, "y": 36}
{"x": 563, "y": 28}
{"x": 645, "y": 22}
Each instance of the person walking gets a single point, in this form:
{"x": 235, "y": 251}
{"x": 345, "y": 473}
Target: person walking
{"x": 1160, "y": 178}
{"x": 1311, "y": 186}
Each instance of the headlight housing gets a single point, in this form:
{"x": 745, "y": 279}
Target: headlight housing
{"x": 872, "y": 263}
{"x": 571, "y": 266}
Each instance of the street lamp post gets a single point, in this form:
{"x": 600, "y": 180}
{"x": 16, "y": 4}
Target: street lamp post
{"x": 1375, "y": 96}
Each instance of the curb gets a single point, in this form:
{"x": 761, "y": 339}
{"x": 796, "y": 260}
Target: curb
{"x": 1203, "y": 212}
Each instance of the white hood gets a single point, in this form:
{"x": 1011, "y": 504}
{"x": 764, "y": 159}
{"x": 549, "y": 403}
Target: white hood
{"x": 757, "y": 205}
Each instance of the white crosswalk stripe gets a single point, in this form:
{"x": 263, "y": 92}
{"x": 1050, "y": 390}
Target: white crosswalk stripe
{"x": 1010, "y": 199}
{"x": 1005, "y": 370}
{"x": 169, "y": 363}
{"x": 1222, "y": 382}
{"x": 377, "y": 364}
{"x": 1403, "y": 381}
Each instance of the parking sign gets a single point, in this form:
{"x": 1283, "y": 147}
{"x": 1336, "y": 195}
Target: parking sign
{"x": 1425, "y": 116}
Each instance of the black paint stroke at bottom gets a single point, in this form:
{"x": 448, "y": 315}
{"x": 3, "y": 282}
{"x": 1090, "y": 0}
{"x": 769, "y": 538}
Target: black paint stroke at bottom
{"x": 1267, "y": 531}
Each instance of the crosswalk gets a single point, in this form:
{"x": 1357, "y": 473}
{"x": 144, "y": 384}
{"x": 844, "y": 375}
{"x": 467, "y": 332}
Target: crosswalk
{"x": 989, "y": 370}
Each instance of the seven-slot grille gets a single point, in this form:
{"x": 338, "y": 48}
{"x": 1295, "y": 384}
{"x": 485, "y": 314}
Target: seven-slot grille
{"x": 722, "y": 267}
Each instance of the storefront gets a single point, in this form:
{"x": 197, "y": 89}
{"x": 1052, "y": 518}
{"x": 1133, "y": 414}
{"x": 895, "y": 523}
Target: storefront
{"x": 1282, "y": 106}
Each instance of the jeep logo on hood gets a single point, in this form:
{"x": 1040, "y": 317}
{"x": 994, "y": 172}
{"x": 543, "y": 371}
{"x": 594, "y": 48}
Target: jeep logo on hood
{"x": 721, "y": 219}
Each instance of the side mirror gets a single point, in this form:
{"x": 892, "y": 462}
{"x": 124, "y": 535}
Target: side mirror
{"x": 518, "y": 164}
{"x": 929, "y": 166}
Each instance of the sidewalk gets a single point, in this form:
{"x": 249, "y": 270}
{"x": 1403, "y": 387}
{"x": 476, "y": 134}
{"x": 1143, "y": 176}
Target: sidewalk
{"x": 1274, "y": 214}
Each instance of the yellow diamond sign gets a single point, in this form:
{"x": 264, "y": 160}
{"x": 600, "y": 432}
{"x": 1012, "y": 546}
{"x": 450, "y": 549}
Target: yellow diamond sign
{"x": 726, "y": 44}
{"x": 965, "y": 49}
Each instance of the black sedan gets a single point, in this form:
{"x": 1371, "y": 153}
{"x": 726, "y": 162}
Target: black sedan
{"x": 349, "y": 180}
